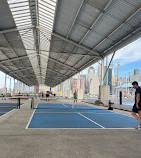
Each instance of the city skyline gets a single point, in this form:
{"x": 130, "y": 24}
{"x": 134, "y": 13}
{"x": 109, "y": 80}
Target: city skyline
{"x": 128, "y": 57}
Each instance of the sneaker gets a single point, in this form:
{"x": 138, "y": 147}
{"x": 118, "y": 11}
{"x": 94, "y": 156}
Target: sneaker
{"x": 138, "y": 127}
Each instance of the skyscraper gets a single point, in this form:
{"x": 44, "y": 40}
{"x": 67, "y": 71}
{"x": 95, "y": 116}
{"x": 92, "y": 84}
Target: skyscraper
{"x": 136, "y": 71}
{"x": 91, "y": 72}
{"x": 83, "y": 81}
{"x": 112, "y": 66}
{"x": 109, "y": 73}
{"x": 118, "y": 71}
{"x": 76, "y": 82}
{"x": 74, "y": 85}
{"x": 136, "y": 76}
{"x": 99, "y": 72}
{"x": 130, "y": 74}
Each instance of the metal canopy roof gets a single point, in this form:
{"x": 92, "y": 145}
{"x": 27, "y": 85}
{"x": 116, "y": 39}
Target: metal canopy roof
{"x": 48, "y": 41}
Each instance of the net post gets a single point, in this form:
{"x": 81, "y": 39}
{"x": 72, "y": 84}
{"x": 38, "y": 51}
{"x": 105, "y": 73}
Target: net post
{"x": 19, "y": 103}
{"x": 120, "y": 97}
{"x": 110, "y": 103}
{"x": 32, "y": 103}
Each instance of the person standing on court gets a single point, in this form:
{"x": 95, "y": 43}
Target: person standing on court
{"x": 136, "y": 110}
{"x": 75, "y": 96}
{"x": 42, "y": 94}
{"x": 47, "y": 95}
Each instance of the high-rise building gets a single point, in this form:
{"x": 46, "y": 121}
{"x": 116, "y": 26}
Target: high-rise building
{"x": 123, "y": 80}
{"x": 130, "y": 74}
{"x": 74, "y": 85}
{"x": 83, "y": 81}
{"x": 114, "y": 84}
{"x": 114, "y": 80}
{"x": 99, "y": 72}
{"x": 91, "y": 72}
{"x": 109, "y": 77}
{"x": 136, "y": 71}
{"x": 42, "y": 88}
{"x": 118, "y": 71}
{"x": 136, "y": 76}
{"x": 76, "y": 82}
{"x": 113, "y": 67}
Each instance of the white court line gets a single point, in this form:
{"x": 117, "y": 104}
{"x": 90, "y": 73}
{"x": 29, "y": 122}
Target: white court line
{"x": 107, "y": 113}
{"x": 77, "y": 112}
{"x": 82, "y": 116}
{"x": 65, "y": 105}
{"x": 55, "y": 112}
{"x": 30, "y": 118}
{"x": 84, "y": 128}
{"x": 115, "y": 112}
{"x": 7, "y": 113}
{"x": 90, "y": 120}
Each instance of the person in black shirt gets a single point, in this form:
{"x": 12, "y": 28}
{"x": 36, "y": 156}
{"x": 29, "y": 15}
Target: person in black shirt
{"x": 42, "y": 94}
{"x": 47, "y": 95}
{"x": 136, "y": 111}
{"x": 75, "y": 96}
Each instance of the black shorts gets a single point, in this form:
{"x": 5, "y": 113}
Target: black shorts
{"x": 134, "y": 109}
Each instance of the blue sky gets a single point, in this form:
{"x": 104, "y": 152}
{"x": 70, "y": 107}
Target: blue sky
{"x": 129, "y": 58}
{"x": 2, "y": 81}
{"x": 124, "y": 69}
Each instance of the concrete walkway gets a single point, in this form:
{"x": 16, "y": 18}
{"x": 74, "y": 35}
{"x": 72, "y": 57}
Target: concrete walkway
{"x": 115, "y": 105}
{"x": 18, "y": 142}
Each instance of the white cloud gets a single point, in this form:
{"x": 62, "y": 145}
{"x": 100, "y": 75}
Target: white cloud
{"x": 130, "y": 53}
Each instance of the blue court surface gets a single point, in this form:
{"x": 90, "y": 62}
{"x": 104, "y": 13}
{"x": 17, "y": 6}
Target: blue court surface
{"x": 7, "y": 107}
{"x": 48, "y": 116}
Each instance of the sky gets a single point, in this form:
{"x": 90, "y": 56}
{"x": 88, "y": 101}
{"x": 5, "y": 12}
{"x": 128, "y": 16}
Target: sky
{"x": 2, "y": 81}
{"x": 129, "y": 58}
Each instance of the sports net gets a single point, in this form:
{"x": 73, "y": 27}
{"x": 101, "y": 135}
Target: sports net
{"x": 11, "y": 102}
{"x": 63, "y": 104}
